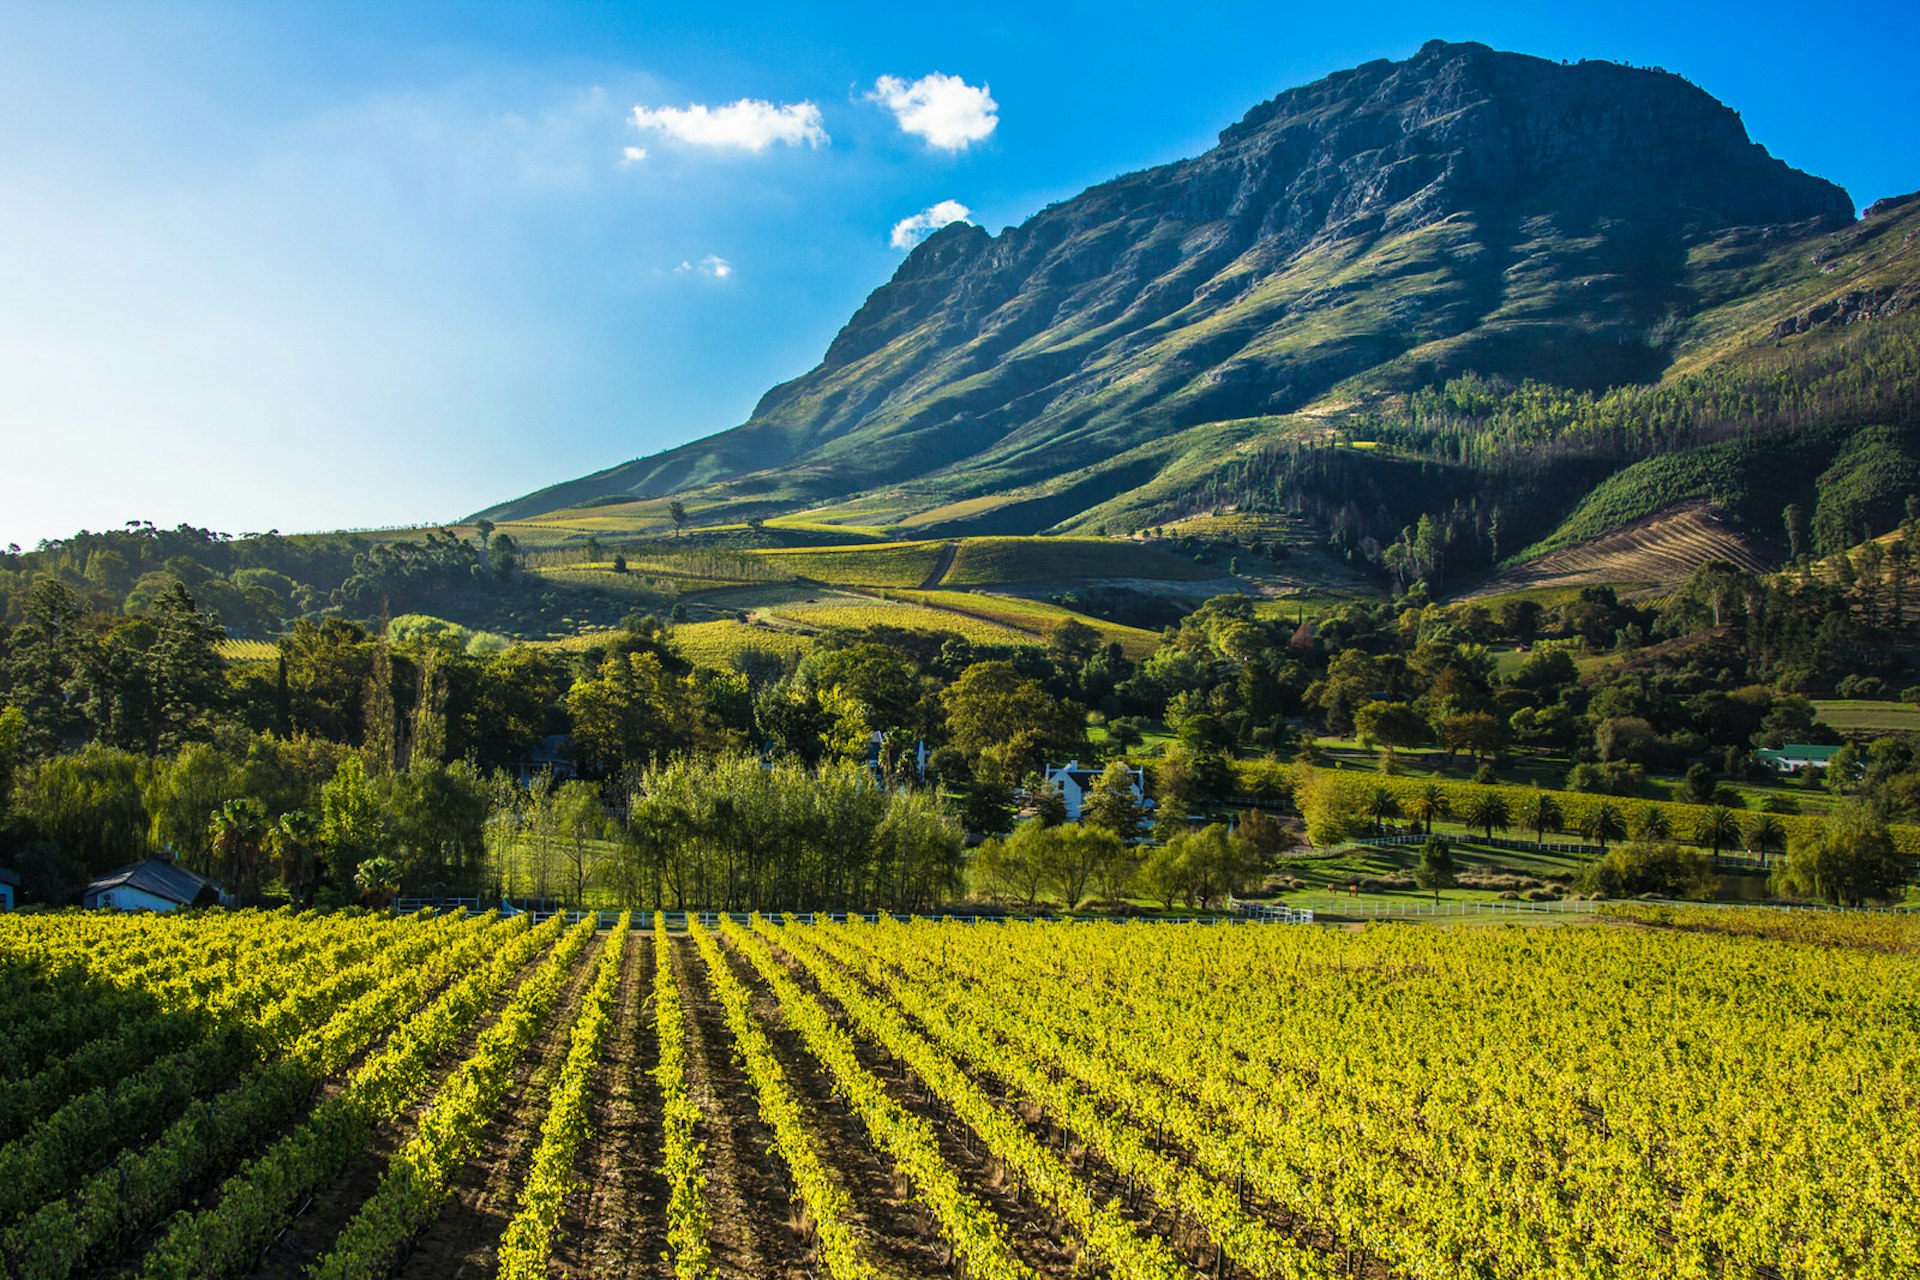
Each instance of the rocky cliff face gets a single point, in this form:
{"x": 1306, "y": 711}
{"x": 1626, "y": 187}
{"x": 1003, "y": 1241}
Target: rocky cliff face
{"x": 1385, "y": 226}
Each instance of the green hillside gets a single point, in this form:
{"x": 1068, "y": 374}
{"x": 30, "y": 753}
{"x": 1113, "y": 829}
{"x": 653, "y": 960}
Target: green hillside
{"x": 1551, "y": 279}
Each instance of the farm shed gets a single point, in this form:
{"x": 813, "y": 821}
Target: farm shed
{"x": 154, "y": 885}
{"x": 9, "y": 889}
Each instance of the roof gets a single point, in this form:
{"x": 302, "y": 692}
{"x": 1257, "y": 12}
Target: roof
{"x": 161, "y": 879}
{"x": 1801, "y": 751}
{"x": 9, "y": 877}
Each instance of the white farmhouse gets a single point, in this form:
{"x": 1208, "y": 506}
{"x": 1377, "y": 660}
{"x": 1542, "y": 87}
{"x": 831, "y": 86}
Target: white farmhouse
{"x": 1075, "y": 784}
{"x": 154, "y": 885}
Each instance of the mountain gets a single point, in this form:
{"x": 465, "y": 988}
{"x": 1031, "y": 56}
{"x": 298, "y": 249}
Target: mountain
{"x": 1346, "y": 248}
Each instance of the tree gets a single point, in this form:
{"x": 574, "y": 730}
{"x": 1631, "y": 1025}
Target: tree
{"x": 993, "y": 710}
{"x": 1765, "y": 835}
{"x": 1661, "y": 868}
{"x": 293, "y": 841}
{"x": 1604, "y": 822}
{"x": 1794, "y": 517}
{"x": 1435, "y": 868}
{"x": 677, "y": 512}
{"x": 504, "y": 556}
{"x": 1540, "y": 813}
{"x": 1074, "y": 855}
{"x": 1264, "y": 837}
{"x": 581, "y": 820}
{"x": 1389, "y": 724}
{"x": 351, "y": 829}
{"x": 1849, "y": 861}
{"x": 1717, "y": 828}
{"x": 1207, "y": 865}
{"x": 1329, "y": 810}
{"x": 239, "y": 837}
{"x": 1478, "y": 732}
{"x": 1047, "y": 802}
{"x": 1112, "y": 805}
{"x": 1378, "y": 804}
{"x": 1652, "y": 825}
{"x": 378, "y": 880}
{"x": 1014, "y": 867}
{"x": 1487, "y": 809}
{"x": 1430, "y": 804}
{"x": 1071, "y": 642}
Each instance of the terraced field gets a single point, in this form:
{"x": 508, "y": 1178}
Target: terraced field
{"x": 1661, "y": 549}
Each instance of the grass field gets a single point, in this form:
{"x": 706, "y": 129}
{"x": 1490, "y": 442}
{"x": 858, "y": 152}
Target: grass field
{"x": 1857, "y": 715}
{"x": 986, "y": 562}
{"x": 879, "y": 564}
{"x": 1034, "y": 616}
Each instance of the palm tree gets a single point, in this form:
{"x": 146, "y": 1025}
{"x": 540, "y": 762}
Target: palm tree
{"x": 1603, "y": 823}
{"x": 1378, "y": 803}
{"x": 1717, "y": 829}
{"x": 1540, "y": 812}
{"x": 292, "y": 841}
{"x": 238, "y": 830}
{"x": 1766, "y": 835}
{"x": 1652, "y": 825}
{"x": 1487, "y": 810}
{"x": 1431, "y": 803}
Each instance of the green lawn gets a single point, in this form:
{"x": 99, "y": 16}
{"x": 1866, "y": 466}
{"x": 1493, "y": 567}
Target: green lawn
{"x": 1858, "y": 715}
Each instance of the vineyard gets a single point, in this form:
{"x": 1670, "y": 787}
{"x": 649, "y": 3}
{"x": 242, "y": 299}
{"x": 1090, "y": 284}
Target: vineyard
{"x": 1672, "y": 1092}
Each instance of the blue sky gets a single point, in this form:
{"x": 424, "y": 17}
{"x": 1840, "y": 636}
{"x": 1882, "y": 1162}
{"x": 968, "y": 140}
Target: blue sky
{"x": 337, "y": 265}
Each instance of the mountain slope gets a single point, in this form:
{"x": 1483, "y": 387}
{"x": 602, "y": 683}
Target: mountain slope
{"x": 1381, "y": 230}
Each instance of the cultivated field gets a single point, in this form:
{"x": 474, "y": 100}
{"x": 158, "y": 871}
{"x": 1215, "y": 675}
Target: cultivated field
{"x": 247, "y": 650}
{"x": 986, "y": 562}
{"x": 1663, "y": 548}
{"x": 1036, "y": 617}
{"x": 1861, "y": 715}
{"x": 362, "y": 1096}
{"x": 879, "y": 564}
{"x": 716, "y": 645}
{"x": 855, "y": 612}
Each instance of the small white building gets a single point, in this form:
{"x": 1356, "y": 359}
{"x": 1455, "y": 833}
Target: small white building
{"x": 1796, "y": 757}
{"x": 9, "y": 890}
{"x": 1075, "y": 784}
{"x": 153, "y": 885}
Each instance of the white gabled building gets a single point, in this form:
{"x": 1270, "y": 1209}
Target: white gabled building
{"x": 1075, "y": 784}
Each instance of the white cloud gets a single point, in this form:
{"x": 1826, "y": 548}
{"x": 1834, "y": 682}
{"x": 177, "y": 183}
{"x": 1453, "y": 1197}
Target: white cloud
{"x": 748, "y": 125}
{"x": 712, "y": 265}
{"x": 945, "y": 110}
{"x": 632, "y": 155}
{"x": 909, "y": 232}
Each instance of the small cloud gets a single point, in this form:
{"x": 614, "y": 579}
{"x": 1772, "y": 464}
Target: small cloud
{"x": 632, "y": 155}
{"x": 712, "y": 265}
{"x": 945, "y": 110}
{"x": 746, "y": 125}
{"x": 909, "y": 232}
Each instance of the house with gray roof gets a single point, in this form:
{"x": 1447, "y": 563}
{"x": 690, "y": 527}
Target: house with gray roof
{"x": 154, "y": 885}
